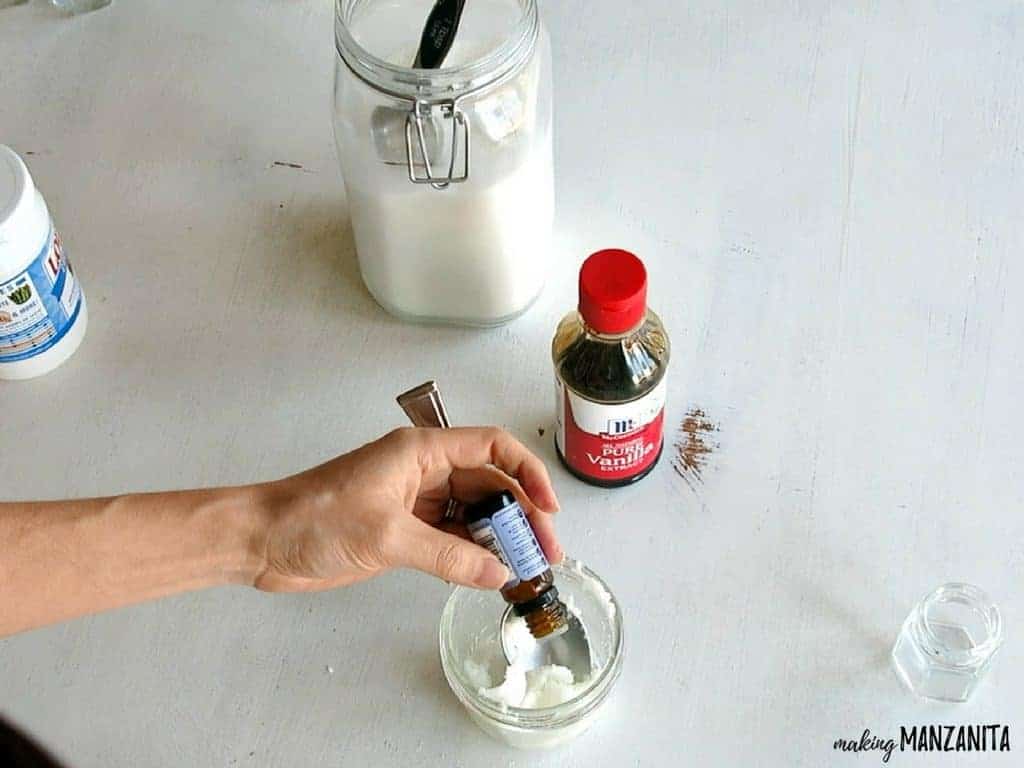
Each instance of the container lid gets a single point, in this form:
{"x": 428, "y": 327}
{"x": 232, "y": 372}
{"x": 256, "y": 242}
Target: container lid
{"x": 613, "y": 291}
{"x": 18, "y": 217}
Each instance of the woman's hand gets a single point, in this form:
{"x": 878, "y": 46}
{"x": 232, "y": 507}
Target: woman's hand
{"x": 382, "y": 507}
{"x": 376, "y": 508}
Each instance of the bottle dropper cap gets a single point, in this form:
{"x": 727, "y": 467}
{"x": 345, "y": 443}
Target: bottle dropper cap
{"x": 613, "y": 291}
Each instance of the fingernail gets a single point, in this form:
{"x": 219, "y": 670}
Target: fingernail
{"x": 492, "y": 575}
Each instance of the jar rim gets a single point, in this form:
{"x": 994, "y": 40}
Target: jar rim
{"x": 558, "y": 715}
{"x": 447, "y": 83}
{"x": 978, "y": 601}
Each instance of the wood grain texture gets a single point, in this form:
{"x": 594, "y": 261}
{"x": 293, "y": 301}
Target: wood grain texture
{"x": 828, "y": 199}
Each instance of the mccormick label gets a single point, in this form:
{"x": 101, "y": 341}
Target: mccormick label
{"x": 609, "y": 442}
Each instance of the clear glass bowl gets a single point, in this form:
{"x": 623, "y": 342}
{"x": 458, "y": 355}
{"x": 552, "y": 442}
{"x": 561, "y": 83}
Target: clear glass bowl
{"x": 470, "y": 632}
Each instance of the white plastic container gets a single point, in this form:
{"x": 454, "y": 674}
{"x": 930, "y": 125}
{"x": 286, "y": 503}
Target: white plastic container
{"x": 42, "y": 309}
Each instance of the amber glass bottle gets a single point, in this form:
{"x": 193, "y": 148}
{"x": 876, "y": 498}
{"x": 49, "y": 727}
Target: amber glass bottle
{"x": 499, "y": 524}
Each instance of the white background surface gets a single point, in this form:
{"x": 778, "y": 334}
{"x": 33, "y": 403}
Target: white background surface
{"x": 828, "y": 199}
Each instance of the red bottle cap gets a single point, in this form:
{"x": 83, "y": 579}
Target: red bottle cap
{"x": 613, "y": 291}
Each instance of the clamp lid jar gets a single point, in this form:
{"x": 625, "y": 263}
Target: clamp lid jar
{"x": 448, "y": 171}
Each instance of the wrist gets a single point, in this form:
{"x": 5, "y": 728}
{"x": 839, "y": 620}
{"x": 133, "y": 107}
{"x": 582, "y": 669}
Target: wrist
{"x": 245, "y": 521}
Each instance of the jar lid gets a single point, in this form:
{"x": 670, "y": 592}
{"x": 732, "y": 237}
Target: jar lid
{"x": 17, "y": 217}
{"x": 613, "y": 291}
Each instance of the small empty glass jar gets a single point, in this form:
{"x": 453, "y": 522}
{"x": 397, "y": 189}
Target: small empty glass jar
{"x": 947, "y": 642}
{"x": 80, "y": 6}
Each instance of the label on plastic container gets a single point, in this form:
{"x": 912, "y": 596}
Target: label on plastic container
{"x": 609, "y": 442}
{"x": 509, "y": 537}
{"x": 39, "y": 306}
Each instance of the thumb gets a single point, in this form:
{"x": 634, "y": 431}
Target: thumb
{"x": 450, "y": 558}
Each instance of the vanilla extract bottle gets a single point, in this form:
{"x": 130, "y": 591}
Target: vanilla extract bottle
{"x": 610, "y": 358}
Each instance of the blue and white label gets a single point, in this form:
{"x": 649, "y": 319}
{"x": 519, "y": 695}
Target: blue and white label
{"x": 509, "y": 537}
{"x": 39, "y": 306}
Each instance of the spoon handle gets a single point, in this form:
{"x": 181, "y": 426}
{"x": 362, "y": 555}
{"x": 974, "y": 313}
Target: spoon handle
{"x": 439, "y": 33}
{"x": 424, "y": 406}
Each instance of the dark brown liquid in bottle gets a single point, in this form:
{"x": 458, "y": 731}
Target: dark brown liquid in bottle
{"x": 610, "y": 369}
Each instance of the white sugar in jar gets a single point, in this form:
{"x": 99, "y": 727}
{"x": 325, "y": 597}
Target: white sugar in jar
{"x": 448, "y": 172}
{"x": 42, "y": 310}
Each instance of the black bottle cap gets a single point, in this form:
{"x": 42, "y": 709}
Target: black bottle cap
{"x": 543, "y": 600}
{"x": 488, "y": 505}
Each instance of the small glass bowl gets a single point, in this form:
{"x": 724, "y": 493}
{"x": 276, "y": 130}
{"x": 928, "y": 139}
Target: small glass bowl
{"x": 947, "y": 642}
{"x": 470, "y": 632}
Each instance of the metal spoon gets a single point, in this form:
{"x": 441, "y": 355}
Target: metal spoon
{"x": 425, "y": 408}
{"x": 570, "y": 647}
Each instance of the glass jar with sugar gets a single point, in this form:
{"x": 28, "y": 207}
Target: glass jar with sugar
{"x": 448, "y": 171}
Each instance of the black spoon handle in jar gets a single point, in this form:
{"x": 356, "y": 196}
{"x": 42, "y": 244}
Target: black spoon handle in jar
{"x": 439, "y": 33}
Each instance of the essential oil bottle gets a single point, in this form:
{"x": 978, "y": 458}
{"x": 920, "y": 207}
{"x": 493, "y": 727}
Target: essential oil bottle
{"x": 610, "y": 358}
{"x": 499, "y": 524}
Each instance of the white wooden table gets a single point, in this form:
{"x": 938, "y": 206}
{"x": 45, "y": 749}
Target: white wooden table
{"x": 829, "y": 203}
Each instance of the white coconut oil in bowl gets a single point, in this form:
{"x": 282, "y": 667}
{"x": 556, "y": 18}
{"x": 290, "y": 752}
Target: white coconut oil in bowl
{"x": 539, "y": 709}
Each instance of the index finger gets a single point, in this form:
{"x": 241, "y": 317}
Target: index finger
{"x": 472, "y": 447}
{"x": 470, "y": 485}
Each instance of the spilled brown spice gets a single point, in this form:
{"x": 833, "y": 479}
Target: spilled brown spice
{"x": 694, "y": 446}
